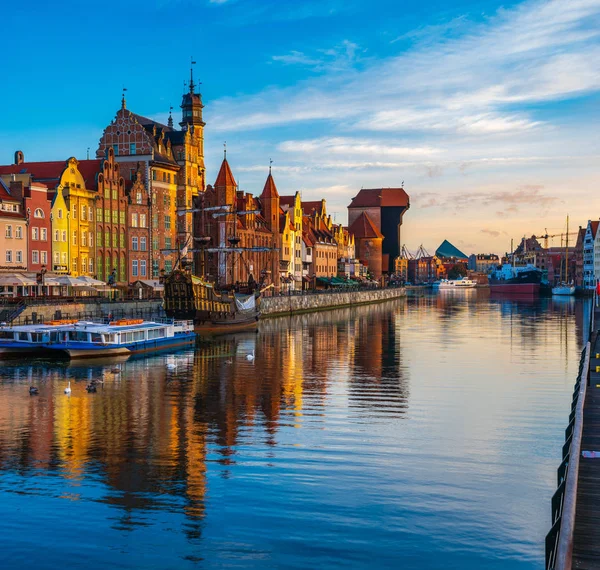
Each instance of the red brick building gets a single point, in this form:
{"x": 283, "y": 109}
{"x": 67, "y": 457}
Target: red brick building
{"x": 138, "y": 243}
{"x": 368, "y": 243}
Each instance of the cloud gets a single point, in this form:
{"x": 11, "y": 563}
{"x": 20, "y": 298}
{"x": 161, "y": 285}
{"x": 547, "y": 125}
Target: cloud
{"x": 353, "y": 146}
{"x": 338, "y": 58}
{"x": 493, "y": 233}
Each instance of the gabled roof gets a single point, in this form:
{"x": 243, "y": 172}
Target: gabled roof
{"x": 312, "y": 206}
{"x": 225, "y": 176}
{"x": 270, "y": 190}
{"x": 380, "y": 197}
{"x": 594, "y": 227}
{"x": 363, "y": 227}
{"x": 447, "y": 250}
{"x": 89, "y": 170}
{"x": 287, "y": 201}
{"x": 43, "y": 171}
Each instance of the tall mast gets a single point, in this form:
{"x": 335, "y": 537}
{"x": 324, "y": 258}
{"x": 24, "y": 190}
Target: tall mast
{"x": 567, "y": 253}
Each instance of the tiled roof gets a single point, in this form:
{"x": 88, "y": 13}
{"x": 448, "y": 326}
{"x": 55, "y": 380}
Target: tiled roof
{"x": 89, "y": 170}
{"x": 312, "y": 206}
{"x": 270, "y": 190}
{"x": 380, "y": 197}
{"x": 363, "y": 227}
{"x": 286, "y": 201}
{"x": 146, "y": 122}
{"x": 225, "y": 176}
{"x": 42, "y": 171}
{"x": 594, "y": 228}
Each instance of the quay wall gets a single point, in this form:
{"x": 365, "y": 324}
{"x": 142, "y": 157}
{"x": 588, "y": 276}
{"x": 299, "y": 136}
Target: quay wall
{"x": 270, "y": 306}
{"x": 294, "y": 304}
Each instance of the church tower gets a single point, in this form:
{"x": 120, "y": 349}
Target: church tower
{"x": 191, "y": 106}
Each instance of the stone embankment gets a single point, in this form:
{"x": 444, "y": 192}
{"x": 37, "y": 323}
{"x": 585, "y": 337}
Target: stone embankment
{"x": 270, "y": 306}
{"x": 294, "y": 304}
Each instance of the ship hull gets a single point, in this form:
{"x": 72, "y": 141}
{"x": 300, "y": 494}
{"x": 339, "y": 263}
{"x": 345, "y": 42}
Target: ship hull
{"x": 515, "y": 288}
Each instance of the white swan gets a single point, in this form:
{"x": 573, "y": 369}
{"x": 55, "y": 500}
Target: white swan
{"x": 68, "y": 388}
{"x": 171, "y": 366}
{"x": 250, "y": 356}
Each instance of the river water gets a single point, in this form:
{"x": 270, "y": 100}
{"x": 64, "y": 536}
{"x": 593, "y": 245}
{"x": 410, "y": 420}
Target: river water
{"x": 420, "y": 433}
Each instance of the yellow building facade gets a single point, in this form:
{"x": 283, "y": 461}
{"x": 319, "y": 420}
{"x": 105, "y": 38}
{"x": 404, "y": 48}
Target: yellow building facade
{"x": 60, "y": 234}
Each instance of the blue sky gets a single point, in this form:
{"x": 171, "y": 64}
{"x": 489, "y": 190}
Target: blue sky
{"x": 487, "y": 111}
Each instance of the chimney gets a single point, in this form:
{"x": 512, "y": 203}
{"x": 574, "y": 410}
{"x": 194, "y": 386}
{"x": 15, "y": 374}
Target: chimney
{"x": 19, "y": 157}
{"x": 16, "y": 190}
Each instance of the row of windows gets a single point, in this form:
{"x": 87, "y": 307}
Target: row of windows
{"x": 109, "y": 216}
{"x": 9, "y": 207}
{"x": 18, "y": 256}
{"x": 8, "y": 232}
{"x": 132, "y": 149}
{"x": 141, "y": 242}
{"x": 166, "y": 176}
{"x": 87, "y": 265}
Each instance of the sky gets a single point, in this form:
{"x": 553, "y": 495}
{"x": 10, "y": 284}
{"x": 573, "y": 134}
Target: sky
{"x": 486, "y": 111}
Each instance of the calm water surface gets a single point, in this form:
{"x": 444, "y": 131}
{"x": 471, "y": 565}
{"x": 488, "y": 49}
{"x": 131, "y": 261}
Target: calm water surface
{"x": 422, "y": 433}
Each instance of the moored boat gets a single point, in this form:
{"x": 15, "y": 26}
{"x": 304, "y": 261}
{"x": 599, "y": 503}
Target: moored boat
{"x": 192, "y": 298}
{"x": 520, "y": 280}
{"x": 86, "y": 339}
{"x": 563, "y": 290}
{"x": 453, "y": 284}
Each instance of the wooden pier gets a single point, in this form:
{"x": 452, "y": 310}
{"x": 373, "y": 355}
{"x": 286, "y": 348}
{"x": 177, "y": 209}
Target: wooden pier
{"x": 574, "y": 539}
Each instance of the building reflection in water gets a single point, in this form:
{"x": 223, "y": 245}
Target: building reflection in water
{"x": 147, "y": 438}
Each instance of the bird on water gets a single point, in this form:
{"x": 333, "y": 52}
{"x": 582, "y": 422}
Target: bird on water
{"x": 33, "y": 391}
{"x": 68, "y": 388}
{"x": 250, "y": 356}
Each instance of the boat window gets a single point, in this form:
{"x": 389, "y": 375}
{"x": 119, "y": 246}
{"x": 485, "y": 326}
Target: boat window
{"x": 80, "y": 336}
{"x": 96, "y": 337}
{"x": 54, "y": 337}
{"x": 7, "y": 334}
{"x": 21, "y": 336}
{"x": 37, "y": 337}
{"x": 138, "y": 335}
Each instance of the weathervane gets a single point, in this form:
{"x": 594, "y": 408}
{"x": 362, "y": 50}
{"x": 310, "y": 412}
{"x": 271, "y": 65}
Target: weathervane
{"x": 270, "y": 164}
{"x": 225, "y": 150}
{"x": 123, "y": 98}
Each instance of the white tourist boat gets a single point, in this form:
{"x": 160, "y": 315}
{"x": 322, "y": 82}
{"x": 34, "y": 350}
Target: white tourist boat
{"x": 446, "y": 284}
{"x": 87, "y": 339}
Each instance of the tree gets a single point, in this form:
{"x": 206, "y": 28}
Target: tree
{"x": 457, "y": 271}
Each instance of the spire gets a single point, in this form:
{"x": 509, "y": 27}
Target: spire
{"x": 225, "y": 176}
{"x": 225, "y": 150}
{"x": 170, "y": 121}
{"x": 192, "y": 75}
{"x": 270, "y": 190}
{"x": 270, "y": 165}
{"x": 123, "y": 102}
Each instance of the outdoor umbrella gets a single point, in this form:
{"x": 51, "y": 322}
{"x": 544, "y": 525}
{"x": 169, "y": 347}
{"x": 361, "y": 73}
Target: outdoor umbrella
{"x": 90, "y": 281}
{"x": 16, "y": 280}
{"x": 68, "y": 281}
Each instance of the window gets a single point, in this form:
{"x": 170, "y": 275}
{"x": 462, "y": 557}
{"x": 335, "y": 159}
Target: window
{"x": 143, "y": 221}
{"x": 122, "y": 217}
{"x": 44, "y": 257}
{"x": 155, "y": 243}
{"x": 60, "y": 213}
{"x": 83, "y": 264}
{"x": 35, "y": 233}
{"x": 138, "y": 198}
{"x": 116, "y": 149}
{"x": 155, "y": 268}
{"x": 142, "y": 244}
{"x": 8, "y": 232}
{"x": 75, "y": 239}
{"x": 167, "y": 222}
{"x": 99, "y": 239}
{"x": 168, "y": 177}
{"x": 44, "y": 234}
{"x": 115, "y": 217}
{"x": 19, "y": 232}
{"x": 154, "y": 175}
{"x": 143, "y": 268}
{"x": 19, "y": 256}
{"x": 74, "y": 212}
{"x": 132, "y": 149}
{"x": 56, "y": 257}
{"x": 134, "y": 220}
{"x": 84, "y": 238}
{"x": 91, "y": 239}
{"x": 91, "y": 212}
{"x": 91, "y": 265}
{"x": 155, "y": 220}
{"x": 107, "y": 216}
{"x": 122, "y": 240}
{"x": 39, "y": 213}
{"x": 83, "y": 212}
{"x": 9, "y": 256}
{"x": 64, "y": 235}
{"x": 107, "y": 238}
{"x": 167, "y": 243}
{"x": 164, "y": 176}
{"x": 168, "y": 266}
{"x": 74, "y": 264}
{"x": 99, "y": 214}
{"x": 115, "y": 195}
{"x": 122, "y": 269}
{"x": 134, "y": 268}
{"x": 63, "y": 256}
{"x": 134, "y": 243}
{"x": 115, "y": 239}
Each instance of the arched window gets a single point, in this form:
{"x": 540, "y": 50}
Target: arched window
{"x": 39, "y": 213}
{"x": 100, "y": 267}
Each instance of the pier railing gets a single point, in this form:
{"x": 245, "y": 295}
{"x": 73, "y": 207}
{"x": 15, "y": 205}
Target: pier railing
{"x": 559, "y": 541}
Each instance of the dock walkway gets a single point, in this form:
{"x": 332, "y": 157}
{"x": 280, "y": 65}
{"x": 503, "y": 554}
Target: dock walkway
{"x": 586, "y": 533}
